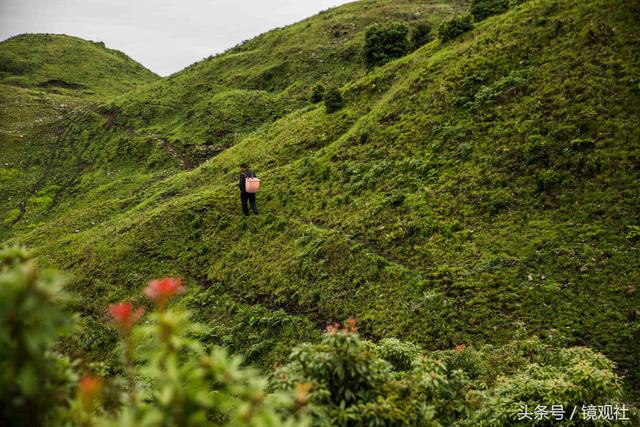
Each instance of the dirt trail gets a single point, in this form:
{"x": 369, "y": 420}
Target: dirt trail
{"x": 185, "y": 163}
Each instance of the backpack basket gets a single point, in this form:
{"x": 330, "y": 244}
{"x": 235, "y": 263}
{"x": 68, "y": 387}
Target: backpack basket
{"x": 251, "y": 184}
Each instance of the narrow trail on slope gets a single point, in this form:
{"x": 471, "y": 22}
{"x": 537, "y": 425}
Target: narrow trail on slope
{"x": 366, "y": 244}
{"x": 54, "y": 155}
{"x": 185, "y": 163}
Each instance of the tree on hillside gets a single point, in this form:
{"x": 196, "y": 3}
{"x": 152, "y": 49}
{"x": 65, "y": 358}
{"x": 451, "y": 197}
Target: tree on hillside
{"x": 420, "y": 35}
{"x": 454, "y": 27}
{"x": 383, "y": 43}
{"x": 317, "y": 93}
{"x": 333, "y": 100}
{"x": 482, "y": 9}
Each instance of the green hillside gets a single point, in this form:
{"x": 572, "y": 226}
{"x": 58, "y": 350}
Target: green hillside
{"x": 214, "y": 103}
{"x": 471, "y": 192}
{"x": 45, "y": 81}
{"x": 68, "y": 65}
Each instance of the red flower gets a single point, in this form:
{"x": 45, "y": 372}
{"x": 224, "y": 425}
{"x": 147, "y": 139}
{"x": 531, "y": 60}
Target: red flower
{"x": 124, "y": 315}
{"x": 90, "y": 385}
{"x": 348, "y": 327}
{"x": 162, "y": 290}
{"x": 89, "y": 391}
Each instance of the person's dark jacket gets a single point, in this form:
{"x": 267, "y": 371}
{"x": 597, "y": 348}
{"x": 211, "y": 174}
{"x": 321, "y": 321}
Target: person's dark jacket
{"x": 246, "y": 174}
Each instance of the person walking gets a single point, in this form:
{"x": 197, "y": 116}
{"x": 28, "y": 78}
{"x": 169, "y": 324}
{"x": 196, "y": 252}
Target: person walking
{"x": 245, "y": 196}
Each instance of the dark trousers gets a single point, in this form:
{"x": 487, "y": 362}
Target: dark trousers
{"x": 251, "y": 198}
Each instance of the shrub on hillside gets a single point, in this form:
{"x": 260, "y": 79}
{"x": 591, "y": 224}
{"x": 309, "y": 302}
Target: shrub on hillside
{"x": 383, "y": 43}
{"x": 317, "y": 93}
{"x": 500, "y": 201}
{"x": 420, "y": 35}
{"x": 12, "y": 65}
{"x": 634, "y": 233}
{"x": 482, "y": 9}
{"x": 401, "y": 355}
{"x": 567, "y": 377}
{"x": 333, "y": 100}
{"x": 273, "y": 78}
{"x": 536, "y": 151}
{"x": 509, "y": 86}
{"x": 346, "y": 382}
{"x": 349, "y": 381}
{"x": 455, "y": 26}
{"x": 547, "y": 179}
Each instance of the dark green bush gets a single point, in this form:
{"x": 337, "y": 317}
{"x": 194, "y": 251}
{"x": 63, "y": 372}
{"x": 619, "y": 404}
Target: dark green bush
{"x": 509, "y": 86}
{"x": 317, "y": 93}
{"x": 547, "y": 179}
{"x": 420, "y": 35}
{"x": 482, "y": 9}
{"x": 499, "y": 202}
{"x": 348, "y": 383}
{"x": 273, "y": 78}
{"x": 333, "y": 100}
{"x": 383, "y": 43}
{"x": 401, "y": 355}
{"x": 11, "y": 65}
{"x": 536, "y": 151}
{"x": 634, "y": 233}
{"x": 454, "y": 27}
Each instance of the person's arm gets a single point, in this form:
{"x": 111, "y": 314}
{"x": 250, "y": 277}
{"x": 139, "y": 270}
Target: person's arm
{"x": 241, "y": 182}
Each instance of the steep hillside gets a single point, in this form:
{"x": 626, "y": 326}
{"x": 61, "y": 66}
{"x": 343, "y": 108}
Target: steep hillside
{"x": 471, "y": 191}
{"x": 172, "y": 123}
{"x": 212, "y": 104}
{"x": 68, "y": 65}
{"x": 46, "y": 82}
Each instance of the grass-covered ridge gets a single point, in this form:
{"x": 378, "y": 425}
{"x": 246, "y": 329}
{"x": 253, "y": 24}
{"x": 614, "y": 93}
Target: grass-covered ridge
{"x": 463, "y": 190}
{"x": 68, "y": 65}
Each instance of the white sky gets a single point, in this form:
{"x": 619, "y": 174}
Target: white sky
{"x": 164, "y": 35}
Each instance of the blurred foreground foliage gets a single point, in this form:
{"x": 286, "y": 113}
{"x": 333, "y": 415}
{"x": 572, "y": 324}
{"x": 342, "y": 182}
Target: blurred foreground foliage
{"x": 168, "y": 378}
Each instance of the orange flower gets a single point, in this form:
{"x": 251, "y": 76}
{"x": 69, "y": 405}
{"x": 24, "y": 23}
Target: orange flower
{"x": 162, "y": 290}
{"x": 332, "y": 329}
{"x": 124, "y": 315}
{"x": 459, "y": 348}
{"x": 302, "y": 393}
{"x": 350, "y": 325}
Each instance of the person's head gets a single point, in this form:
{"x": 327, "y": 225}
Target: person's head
{"x": 243, "y": 166}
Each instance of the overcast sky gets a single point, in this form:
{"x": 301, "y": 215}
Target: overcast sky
{"x": 163, "y": 35}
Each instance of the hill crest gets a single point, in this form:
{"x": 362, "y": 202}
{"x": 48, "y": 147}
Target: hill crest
{"x": 69, "y": 65}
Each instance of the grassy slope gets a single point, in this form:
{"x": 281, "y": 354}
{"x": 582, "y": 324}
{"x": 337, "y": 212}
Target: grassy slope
{"x": 212, "y": 104}
{"x": 465, "y": 189}
{"x": 69, "y": 66}
{"x": 34, "y": 115}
